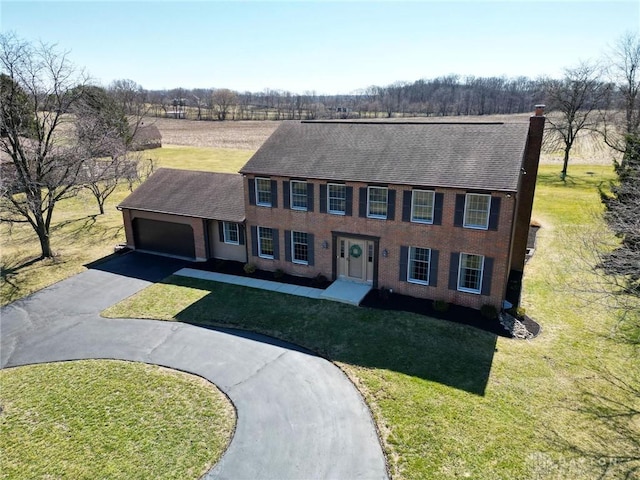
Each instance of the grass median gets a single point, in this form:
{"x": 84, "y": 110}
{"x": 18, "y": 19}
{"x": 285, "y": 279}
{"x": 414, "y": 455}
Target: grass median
{"x": 110, "y": 419}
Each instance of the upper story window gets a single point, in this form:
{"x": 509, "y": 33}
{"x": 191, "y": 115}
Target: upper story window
{"x": 230, "y": 233}
{"x": 298, "y": 195}
{"x": 263, "y": 192}
{"x": 422, "y": 206}
{"x": 337, "y": 198}
{"x": 419, "y": 260}
{"x": 476, "y": 211}
{"x": 377, "y": 202}
{"x": 265, "y": 242}
{"x": 470, "y": 273}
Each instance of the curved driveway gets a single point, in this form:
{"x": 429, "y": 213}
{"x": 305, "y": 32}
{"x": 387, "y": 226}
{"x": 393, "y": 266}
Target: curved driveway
{"x": 299, "y": 417}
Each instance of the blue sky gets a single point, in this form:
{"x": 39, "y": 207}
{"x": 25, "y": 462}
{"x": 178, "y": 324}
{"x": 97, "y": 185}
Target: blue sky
{"x": 327, "y": 47}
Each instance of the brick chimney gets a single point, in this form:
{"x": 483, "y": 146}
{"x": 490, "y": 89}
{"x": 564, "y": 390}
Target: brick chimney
{"x": 527, "y": 187}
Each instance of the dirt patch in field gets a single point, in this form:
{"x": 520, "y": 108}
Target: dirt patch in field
{"x": 242, "y": 135}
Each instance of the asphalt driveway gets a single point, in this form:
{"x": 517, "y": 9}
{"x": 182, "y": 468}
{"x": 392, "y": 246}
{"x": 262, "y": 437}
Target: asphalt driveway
{"x": 299, "y": 416}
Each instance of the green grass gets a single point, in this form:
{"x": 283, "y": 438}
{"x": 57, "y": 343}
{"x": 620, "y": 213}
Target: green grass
{"x": 451, "y": 401}
{"x": 108, "y": 419}
{"x": 224, "y": 160}
{"x": 79, "y": 235}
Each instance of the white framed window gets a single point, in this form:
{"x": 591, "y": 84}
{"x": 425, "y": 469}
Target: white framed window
{"x": 230, "y": 233}
{"x": 476, "y": 211}
{"x": 377, "y": 202}
{"x": 337, "y": 198}
{"x": 265, "y": 242}
{"x": 263, "y": 192}
{"x": 470, "y": 273}
{"x": 419, "y": 263}
{"x": 298, "y": 195}
{"x": 422, "y": 205}
{"x": 299, "y": 248}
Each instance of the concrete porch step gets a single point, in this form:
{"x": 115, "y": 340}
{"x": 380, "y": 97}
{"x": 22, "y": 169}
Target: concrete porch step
{"x": 345, "y": 291}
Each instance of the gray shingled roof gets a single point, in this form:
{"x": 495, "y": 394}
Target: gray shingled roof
{"x": 217, "y": 196}
{"x": 485, "y": 156}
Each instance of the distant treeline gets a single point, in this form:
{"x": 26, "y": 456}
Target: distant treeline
{"x": 442, "y": 96}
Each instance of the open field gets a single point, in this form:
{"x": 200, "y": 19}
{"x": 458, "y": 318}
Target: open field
{"x": 451, "y": 401}
{"x": 110, "y": 419}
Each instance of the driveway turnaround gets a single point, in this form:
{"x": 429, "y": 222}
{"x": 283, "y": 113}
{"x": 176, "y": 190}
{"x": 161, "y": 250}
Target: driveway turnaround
{"x": 299, "y": 417}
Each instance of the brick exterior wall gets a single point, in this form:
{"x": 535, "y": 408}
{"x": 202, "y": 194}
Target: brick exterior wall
{"x": 390, "y": 236}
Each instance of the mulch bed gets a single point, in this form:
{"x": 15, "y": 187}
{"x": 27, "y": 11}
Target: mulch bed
{"x": 379, "y": 299}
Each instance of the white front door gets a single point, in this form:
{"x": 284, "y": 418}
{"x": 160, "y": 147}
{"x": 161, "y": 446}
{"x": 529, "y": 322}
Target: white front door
{"x": 355, "y": 259}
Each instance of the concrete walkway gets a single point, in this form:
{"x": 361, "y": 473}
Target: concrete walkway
{"x": 299, "y": 417}
{"x": 339, "y": 291}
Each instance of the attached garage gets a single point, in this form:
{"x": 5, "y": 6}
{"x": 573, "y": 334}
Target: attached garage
{"x": 164, "y": 237}
{"x": 174, "y": 212}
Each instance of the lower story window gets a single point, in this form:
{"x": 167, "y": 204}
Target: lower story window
{"x": 419, "y": 259}
{"x": 470, "y": 273}
{"x": 300, "y": 247}
{"x": 231, "y": 233}
{"x": 265, "y": 242}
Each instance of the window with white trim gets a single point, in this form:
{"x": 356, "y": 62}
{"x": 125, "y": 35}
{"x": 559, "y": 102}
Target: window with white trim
{"x": 476, "y": 210}
{"x": 470, "y": 273}
{"x": 298, "y": 195}
{"x": 337, "y": 198}
{"x": 265, "y": 242}
{"x": 422, "y": 204}
{"x": 263, "y": 192}
{"x": 230, "y": 233}
{"x": 419, "y": 261}
{"x": 377, "y": 202}
{"x": 299, "y": 248}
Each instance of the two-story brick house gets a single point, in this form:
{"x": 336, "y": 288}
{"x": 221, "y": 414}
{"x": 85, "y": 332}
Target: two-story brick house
{"x": 431, "y": 209}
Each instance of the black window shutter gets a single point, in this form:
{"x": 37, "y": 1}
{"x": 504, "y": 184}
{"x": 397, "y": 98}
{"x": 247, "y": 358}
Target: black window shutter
{"x": 286, "y": 198}
{"x": 323, "y": 199}
{"x": 310, "y": 249}
{"x": 274, "y": 193}
{"x": 458, "y": 219}
{"x": 252, "y": 191}
{"x": 241, "y": 234}
{"x": 486, "y": 276}
{"x": 276, "y": 244}
{"x": 363, "y": 202}
{"x": 406, "y": 205}
{"x": 454, "y": 263}
{"x": 494, "y": 213}
{"x": 254, "y": 240}
{"x": 391, "y": 204}
{"x": 221, "y": 231}
{"x": 433, "y": 268}
{"x": 309, "y": 197}
{"x": 287, "y": 245}
{"x": 349, "y": 202}
{"x": 404, "y": 261}
{"x": 437, "y": 208}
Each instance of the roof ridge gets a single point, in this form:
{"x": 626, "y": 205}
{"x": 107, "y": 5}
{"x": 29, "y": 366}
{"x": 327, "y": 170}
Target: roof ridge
{"x": 384, "y": 122}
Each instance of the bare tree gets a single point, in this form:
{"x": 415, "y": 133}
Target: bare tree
{"x": 576, "y": 98}
{"x": 223, "y": 99}
{"x": 622, "y": 119}
{"x": 39, "y": 87}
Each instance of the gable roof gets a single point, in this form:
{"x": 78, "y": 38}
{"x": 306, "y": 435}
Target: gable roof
{"x": 485, "y": 156}
{"x": 216, "y": 196}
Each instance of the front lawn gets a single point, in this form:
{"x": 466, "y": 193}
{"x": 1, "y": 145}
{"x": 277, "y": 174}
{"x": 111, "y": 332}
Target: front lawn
{"x": 452, "y": 401}
{"x": 110, "y": 419}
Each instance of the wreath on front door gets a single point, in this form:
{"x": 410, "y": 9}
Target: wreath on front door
{"x": 355, "y": 251}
